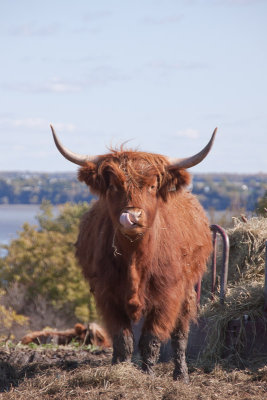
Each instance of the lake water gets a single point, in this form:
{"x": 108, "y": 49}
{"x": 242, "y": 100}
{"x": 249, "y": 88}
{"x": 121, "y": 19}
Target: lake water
{"x": 12, "y": 217}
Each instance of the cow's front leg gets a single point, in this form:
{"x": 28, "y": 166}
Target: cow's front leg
{"x": 123, "y": 345}
{"x": 179, "y": 340}
{"x": 179, "y": 337}
{"x": 119, "y": 328}
{"x": 149, "y": 346}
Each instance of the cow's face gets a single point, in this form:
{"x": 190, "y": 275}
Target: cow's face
{"x": 80, "y": 331}
{"x": 132, "y": 207}
{"x": 132, "y": 185}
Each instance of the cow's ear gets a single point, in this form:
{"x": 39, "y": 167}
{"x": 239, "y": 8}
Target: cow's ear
{"x": 79, "y": 329}
{"x": 175, "y": 181}
{"x": 89, "y": 174}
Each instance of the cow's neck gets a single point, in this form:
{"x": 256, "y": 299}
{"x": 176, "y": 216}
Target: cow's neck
{"x": 128, "y": 247}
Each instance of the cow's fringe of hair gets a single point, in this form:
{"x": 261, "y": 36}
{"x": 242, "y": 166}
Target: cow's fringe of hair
{"x": 132, "y": 169}
{"x": 134, "y": 166}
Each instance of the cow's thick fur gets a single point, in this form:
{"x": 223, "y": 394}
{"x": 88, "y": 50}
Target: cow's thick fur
{"x": 93, "y": 334}
{"x": 149, "y": 270}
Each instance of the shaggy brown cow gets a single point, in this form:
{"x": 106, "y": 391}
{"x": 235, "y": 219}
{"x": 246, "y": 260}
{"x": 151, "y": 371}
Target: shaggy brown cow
{"x": 94, "y": 334}
{"x": 143, "y": 246}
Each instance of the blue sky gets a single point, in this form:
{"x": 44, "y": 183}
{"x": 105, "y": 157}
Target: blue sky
{"x": 162, "y": 74}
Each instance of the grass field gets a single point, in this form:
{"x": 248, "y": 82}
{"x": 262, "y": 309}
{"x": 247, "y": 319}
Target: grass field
{"x": 73, "y": 373}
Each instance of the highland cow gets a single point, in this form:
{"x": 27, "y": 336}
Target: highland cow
{"x": 143, "y": 246}
{"x": 93, "y": 334}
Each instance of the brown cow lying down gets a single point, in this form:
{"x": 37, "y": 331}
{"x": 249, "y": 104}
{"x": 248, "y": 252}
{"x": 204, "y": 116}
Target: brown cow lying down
{"x": 94, "y": 335}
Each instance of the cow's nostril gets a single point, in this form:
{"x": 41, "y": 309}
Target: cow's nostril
{"x": 134, "y": 215}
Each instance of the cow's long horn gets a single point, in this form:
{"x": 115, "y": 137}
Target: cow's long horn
{"x": 69, "y": 155}
{"x": 193, "y": 160}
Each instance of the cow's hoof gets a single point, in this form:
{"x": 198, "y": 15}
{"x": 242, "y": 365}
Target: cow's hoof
{"x": 147, "y": 369}
{"x": 181, "y": 376}
{"x": 119, "y": 360}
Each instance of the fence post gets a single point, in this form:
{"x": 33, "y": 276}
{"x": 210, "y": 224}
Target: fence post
{"x": 224, "y": 271}
{"x": 214, "y": 254}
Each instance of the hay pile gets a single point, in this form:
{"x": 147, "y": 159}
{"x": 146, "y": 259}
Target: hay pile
{"x": 244, "y": 299}
{"x": 247, "y": 250}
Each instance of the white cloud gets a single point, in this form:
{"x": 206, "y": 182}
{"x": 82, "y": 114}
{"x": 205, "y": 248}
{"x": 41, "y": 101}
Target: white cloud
{"x": 179, "y": 65}
{"x": 27, "y": 123}
{"x": 98, "y": 76}
{"x": 188, "y": 133}
{"x": 54, "y": 85}
{"x": 34, "y": 123}
{"x": 58, "y": 86}
{"x": 169, "y": 19}
{"x": 29, "y": 30}
{"x": 96, "y": 16}
{"x": 64, "y": 127}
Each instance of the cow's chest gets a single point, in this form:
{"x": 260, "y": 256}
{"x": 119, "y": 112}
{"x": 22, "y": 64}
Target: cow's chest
{"x": 134, "y": 291}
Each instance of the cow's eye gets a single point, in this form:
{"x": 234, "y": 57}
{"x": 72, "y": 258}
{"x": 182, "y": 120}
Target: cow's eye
{"x": 112, "y": 188}
{"x": 152, "y": 188}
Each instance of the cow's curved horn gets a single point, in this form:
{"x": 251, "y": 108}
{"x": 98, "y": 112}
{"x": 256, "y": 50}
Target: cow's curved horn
{"x": 193, "y": 160}
{"x": 69, "y": 155}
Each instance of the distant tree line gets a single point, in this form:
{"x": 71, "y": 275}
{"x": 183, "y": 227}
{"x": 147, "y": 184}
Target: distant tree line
{"x": 34, "y": 188}
{"x": 232, "y": 192}
{"x": 216, "y": 191}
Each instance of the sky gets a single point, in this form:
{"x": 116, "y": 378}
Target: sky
{"x": 161, "y": 74}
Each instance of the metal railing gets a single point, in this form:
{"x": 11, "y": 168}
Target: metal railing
{"x": 217, "y": 229}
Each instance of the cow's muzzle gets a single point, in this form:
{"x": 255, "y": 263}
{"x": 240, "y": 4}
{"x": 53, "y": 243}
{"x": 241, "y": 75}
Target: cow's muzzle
{"x": 131, "y": 218}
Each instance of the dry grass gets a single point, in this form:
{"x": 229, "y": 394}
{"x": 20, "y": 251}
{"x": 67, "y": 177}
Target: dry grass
{"x": 247, "y": 250}
{"x": 244, "y": 300}
{"x": 125, "y": 381}
{"x": 244, "y": 303}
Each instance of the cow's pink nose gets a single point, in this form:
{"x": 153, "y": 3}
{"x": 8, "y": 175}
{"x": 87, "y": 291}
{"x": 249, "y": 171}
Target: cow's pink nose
{"x": 129, "y": 218}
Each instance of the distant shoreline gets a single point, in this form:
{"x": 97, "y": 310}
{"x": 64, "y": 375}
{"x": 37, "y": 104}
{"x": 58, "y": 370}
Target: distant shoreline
{"x": 13, "y": 216}
{"x": 217, "y": 191}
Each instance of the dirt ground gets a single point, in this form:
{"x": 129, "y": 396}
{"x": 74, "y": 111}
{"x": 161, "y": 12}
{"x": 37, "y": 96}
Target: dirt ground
{"x": 75, "y": 373}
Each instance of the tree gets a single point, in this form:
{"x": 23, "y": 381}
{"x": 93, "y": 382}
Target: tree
{"x": 42, "y": 260}
{"x": 261, "y": 206}
{"x": 10, "y": 321}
